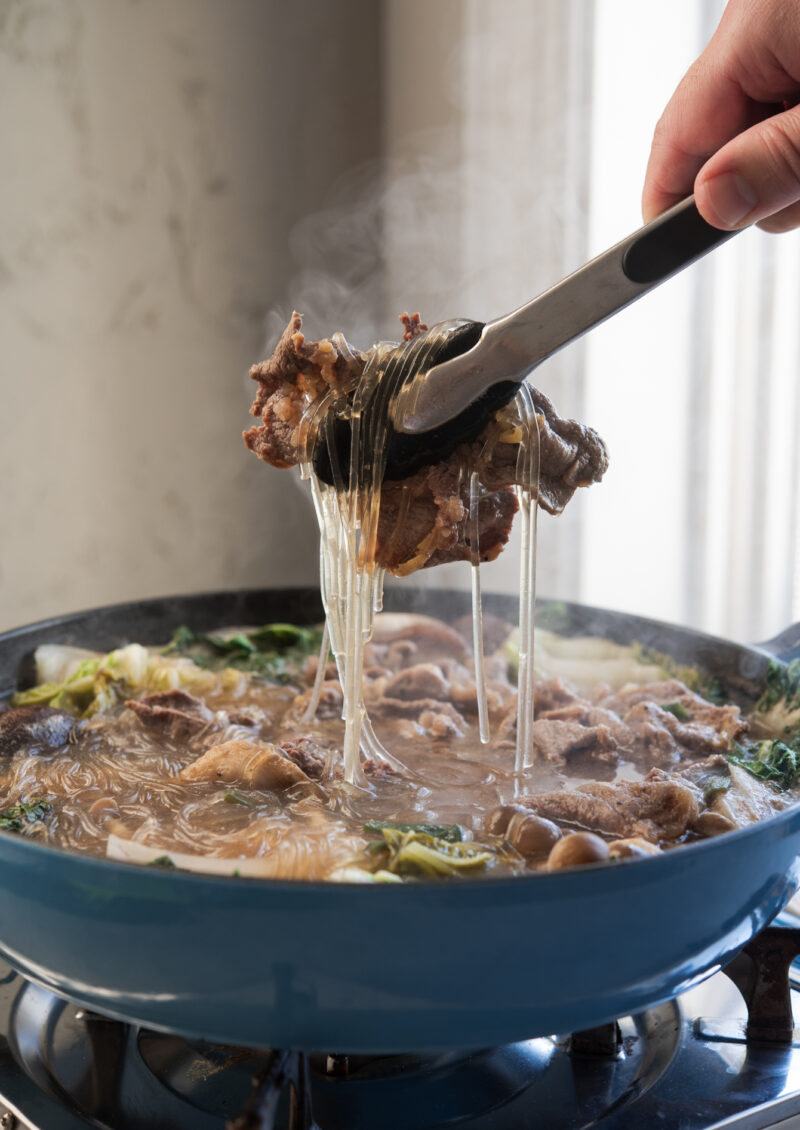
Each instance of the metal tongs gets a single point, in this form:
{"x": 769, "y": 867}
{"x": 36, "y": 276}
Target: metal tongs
{"x": 448, "y": 380}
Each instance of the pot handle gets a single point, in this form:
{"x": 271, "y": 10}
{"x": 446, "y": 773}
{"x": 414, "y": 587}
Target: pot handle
{"x": 786, "y": 645}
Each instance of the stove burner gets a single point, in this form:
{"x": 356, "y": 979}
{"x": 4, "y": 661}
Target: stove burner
{"x": 63, "y": 1068}
{"x": 260, "y": 1112}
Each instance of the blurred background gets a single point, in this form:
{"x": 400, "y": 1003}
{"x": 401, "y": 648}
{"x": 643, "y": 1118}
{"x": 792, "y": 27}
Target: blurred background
{"x": 177, "y": 175}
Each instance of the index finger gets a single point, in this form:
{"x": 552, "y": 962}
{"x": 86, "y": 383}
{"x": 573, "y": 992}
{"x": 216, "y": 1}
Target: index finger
{"x": 706, "y": 111}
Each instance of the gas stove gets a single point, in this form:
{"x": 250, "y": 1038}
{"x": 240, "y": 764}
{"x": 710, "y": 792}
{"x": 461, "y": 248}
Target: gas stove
{"x": 725, "y": 1054}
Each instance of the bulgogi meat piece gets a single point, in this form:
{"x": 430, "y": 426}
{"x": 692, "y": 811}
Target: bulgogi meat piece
{"x": 660, "y": 807}
{"x": 34, "y": 729}
{"x": 176, "y": 714}
{"x": 297, "y": 373}
{"x": 424, "y": 518}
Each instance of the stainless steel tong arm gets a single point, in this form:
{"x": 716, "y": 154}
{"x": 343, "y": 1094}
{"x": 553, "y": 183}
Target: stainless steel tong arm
{"x": 511, "y": 346}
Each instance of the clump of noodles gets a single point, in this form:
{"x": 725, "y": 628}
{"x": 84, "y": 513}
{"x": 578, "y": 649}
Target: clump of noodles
{"x": 348, "y": 512}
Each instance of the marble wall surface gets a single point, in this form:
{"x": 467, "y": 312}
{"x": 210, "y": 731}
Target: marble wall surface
{"x": 154, "y": 161}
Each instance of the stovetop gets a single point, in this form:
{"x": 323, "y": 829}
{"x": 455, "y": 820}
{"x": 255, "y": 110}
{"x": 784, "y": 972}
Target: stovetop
{"x": 684, "y": 1065}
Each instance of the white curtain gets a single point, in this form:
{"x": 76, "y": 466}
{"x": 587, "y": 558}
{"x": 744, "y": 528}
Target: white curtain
{"x": 521, "y": 132}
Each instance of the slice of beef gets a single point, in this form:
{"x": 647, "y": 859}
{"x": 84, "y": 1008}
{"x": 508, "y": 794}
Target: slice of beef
{"x": 175, "y": 714}
{"x": 726, "y": 720}
{"x": 660, "y": 807}
{"x": 381, "y": 770}
{"x": 661, "y": 739}
{"x": 330, "y": 701}
{"x": 442, "y": 722}
{"x": 297, "y": 372}
{"x": 463, "y": 691}
{"x": 306, "y": 753}
{"x": 571, "y": 455}
{"x": 553, "y": 694}
{"x": 34, "y": 729}
{"x": 420, "y": 639}
{"x": 588, "y": 715}
{"x": 385, "y": 707}
{"x": 425, "y": 680}
{"x": 558, "y": 741}
{"x": 423, "y": 518}
{"x": 652, "y": 742}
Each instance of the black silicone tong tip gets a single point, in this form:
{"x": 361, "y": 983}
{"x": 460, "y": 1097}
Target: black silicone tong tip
{"x": 407, "y": 454}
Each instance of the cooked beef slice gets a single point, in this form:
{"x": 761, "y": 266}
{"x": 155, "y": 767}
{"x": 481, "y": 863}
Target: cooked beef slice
{"x": 423, "y": 518}
{"x": 385, "y": 707}
{"x": 254, "y": 765}
{"x": 556, "y": 741}
{"x": 176, "y": 714}
{"x": 443, "y": 721}
{"x": 659, "y": 738}
{"x": 381, "y": 770}
{"x": 34, "y": 729}
{"x": 307, "y": 754}
{"x": 330, "y": 703}
{"x": 658, "y": 808}
{"x": 726, "y": 721}
{"x": 297, "y": 372}
{"x": 571, "y": 455}
{"x": 651, "y": 739}
{"x": 462, "y": 689}
{"x": 424, "y": 680}
{"x": 400, "y": 639}
{"x": 552, "y": 694}
{"x": 589, "y": 715}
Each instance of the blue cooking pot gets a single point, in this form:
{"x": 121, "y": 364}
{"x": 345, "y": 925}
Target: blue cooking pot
{"x": 394, "y": 968}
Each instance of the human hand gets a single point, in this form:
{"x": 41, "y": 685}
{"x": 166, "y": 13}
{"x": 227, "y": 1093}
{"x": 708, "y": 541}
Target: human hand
{"x": 731, "y": 131}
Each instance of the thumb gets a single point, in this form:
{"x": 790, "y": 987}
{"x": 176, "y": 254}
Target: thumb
{"x": 755, "y": 177}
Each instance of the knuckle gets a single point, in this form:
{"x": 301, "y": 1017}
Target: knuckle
{"x": 781, "y": 141}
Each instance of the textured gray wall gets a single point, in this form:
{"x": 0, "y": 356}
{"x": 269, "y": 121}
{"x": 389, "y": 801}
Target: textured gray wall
{"x": 155, "y": 159}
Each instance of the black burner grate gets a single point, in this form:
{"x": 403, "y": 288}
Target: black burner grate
{"x": 63, "y": 1068}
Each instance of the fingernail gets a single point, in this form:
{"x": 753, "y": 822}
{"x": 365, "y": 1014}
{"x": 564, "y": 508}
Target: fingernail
{"x": 731, "y": 197}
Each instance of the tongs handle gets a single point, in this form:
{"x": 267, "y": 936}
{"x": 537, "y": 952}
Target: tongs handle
{"x": 511, "y": 346}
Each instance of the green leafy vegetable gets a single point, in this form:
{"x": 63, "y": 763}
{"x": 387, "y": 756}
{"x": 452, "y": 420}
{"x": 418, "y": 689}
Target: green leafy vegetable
{"x": 713, "y": 784}
{"x": 163, "y": 861}
{"x": 24, "y": 817}
{"x": 416, "y": 853}
{"x": 782, "y": 686}
{"x": 774, "y": 761}
{"x": 451, "y": 833}
{"x": 678, "y": 709}
{"x": 96, "y": 685}
{"x": 276, "y": 651}
{"x": 555, "y": 616}
{"x": 709, "y": 689}
{"x": 780, "y": 701}
{"x": 238, "y": 798}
